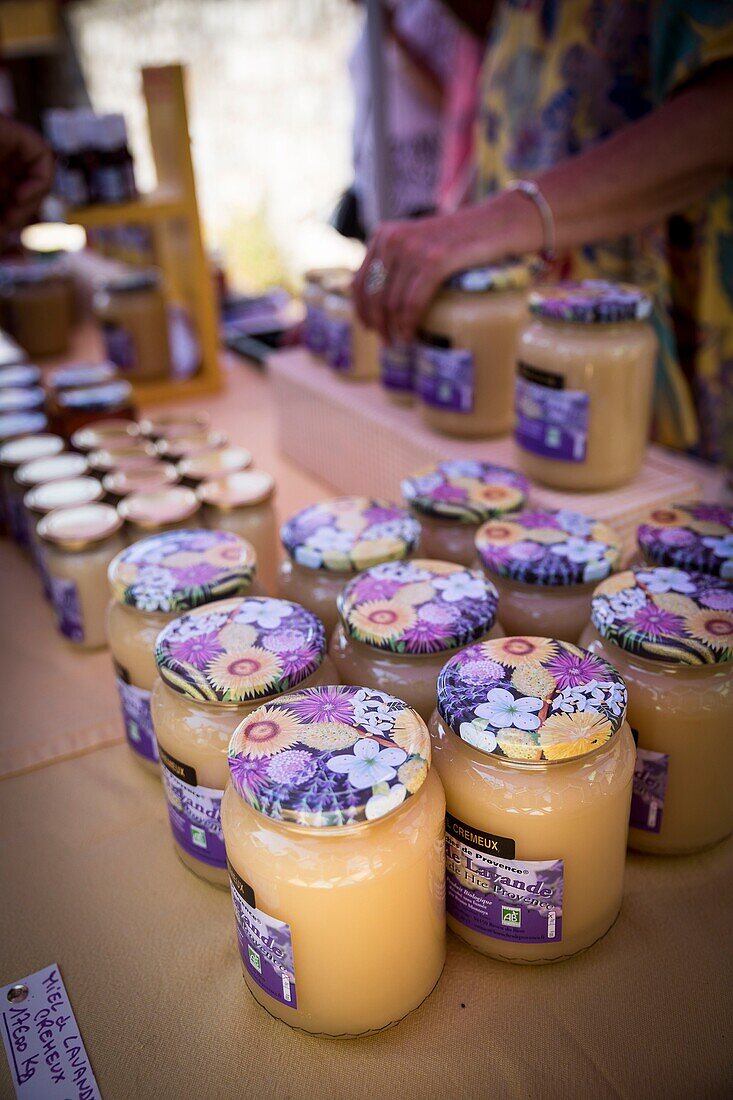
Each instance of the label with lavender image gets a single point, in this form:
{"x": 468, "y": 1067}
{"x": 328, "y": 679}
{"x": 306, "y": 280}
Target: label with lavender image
{"x": 119, "y": 345}
{"x": 650, "y": 784}
{"x": 65, "y": 600}
{"x": 194, "y": 812}
{"x": 551, "y": 422}
{"x": 445, "y": 377}
{"x": 265, "y": 944}
{"x": 339, "y": 344}
{"x": 315, "y": 330}
{"x": 18, "y": 520}
{"x": 397, "y": 366}
{"x": 136, "y": 715}
{"x": 507, "y": 899}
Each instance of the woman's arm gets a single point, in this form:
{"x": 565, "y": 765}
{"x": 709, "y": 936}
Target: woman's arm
{"x": 643, "y": 173}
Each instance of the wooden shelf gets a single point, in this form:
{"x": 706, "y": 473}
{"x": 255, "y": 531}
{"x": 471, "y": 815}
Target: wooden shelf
{"x": 157, "y": 205}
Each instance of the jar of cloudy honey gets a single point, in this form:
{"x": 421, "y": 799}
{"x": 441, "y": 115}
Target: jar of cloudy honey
{"x": 695, "y": 536}
{"x": 243, "y": 502}
{"x": 77, "y": 408}
{"x": 55, "y": 467}
{"x": 352, "y": 349}
{"x": 147, "y": 513}
{"x": 216, "y": 665}
{"x": 48, "y": 497}
{"x": 329, "y": 543}
{"x": 202, "y": 465}
{"x": 14, "y": 454}
{"x": 334, "y": 824}
{"x": 531, "y": 742}
{"x": 192, "y": 444}
{"x": 397, "y": 372}
{"x": 545, "y": 564}
{"x": 135, "y": 455}
{"x": 36, "y": 299}
{"x": 586, "y": 362}
{"x": 153, "y": 582}
{"x": 100, "y": 435}
{"x": 669, "y": 633}
{"x": 131, "y": 310}
{"x": 315, "y": 325}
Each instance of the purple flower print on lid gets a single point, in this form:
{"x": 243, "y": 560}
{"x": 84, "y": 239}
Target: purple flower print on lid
{"x": 592, "y": 301}
{"x": 465, "y": 491}
{"x": 692, "y": 536}
{"x": 350, "y": 534}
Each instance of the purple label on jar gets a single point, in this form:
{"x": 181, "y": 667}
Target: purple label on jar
{"x": 315, "y": 330}
{"x": 397, "y": 366}
{"x": 517, "y": 900}
{"x": 265, "y": 944}
{"x": 138, "y": 721}
{"x": 39, "y": 557}
{"x": 119, "y": 345}
{"x": 18, "y": 520}
{"x": 338, "y": 338}
{"x": 445, "y": 378}
{"x": 194, "y": 812}
{"x": 650, "y": 784}
{"x": 551, "y": 422}
{"x": 65, "y": 600}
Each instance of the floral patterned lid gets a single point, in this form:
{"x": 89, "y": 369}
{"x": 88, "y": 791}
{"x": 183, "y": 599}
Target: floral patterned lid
{"x": 13, "y": 425}
{"x": 476, "y": 280}
{"x": 532, "y": 700}
{"x": 591, "y": 301}
{"x": 178, "y": 570}
{"x": 465, "y": 491}
{"x": 44, "y": 498}
{"x": 30, "y": 447}
{"x": 349, "y": 534}
{"x": 330, "y": 756}
{"x": 417, "y": 607}
{"x": 20, "y": 399}
{"x": 237, "y": 651}
{"x": 549, "y": 547}
{"x": 667, "y": 615}
{"x": 20, "y": 374}
{"x": 693, "y": 536}
{"x": 52, "y": 468}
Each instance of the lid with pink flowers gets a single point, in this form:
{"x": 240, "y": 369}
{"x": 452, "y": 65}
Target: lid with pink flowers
{"x": 591, "y": 301}
{"x": 178, "y": 570}
{"x": 326, "y": 757}
{"x": 667, "y": 615}
{"x": 549, "y": 547}
{"x": 418, "y": 607}
{"x": 237, "y": 651}
{"x": 694, "y": 536}
{"x": 531, "y": 700}
{"x": 350, "y": 534}
{"x": 465, "y": 491}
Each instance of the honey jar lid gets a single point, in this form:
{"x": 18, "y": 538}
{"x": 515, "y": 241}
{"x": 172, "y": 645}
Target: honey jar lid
{"x": 135, "y": 455}
{"x": 81, "y": 375}
{"x": 591, "y": 301}
{"x": 158, "y": 475}
{"x": 128, "y": 282}
{"x": 30, "y": 447}
{"x": 242, "y": 489}
{"x": 158, "y": 507}
{"x": 531, "y": 700}
{"x": 109, "y": 395}
{"x": 19, "y": 375}
{"x": 67, "y": 493}
{"x": 513, "y": 275}
{"x": 465, "y": 491}
{"x": 552, "y": 546}
{"x": 177, "y": 571}
{"x": 53, "y": 468}
{"x": 170, "y": 425}
{"x": 349, "y": 534}
{"x": 80, "y": 527}
{"x": 15, "y": 425}
{"x": 329, "y": 757}
{"x": 105, "y": 433}
{"x": 21, "y": 398}
{"x": 695, "y": 536}
{"x": 418, "y": 607}
{"x": 667, "y": 615}
{"x": 237, "y": 651}
{"x": 225, "y": 460}
{"x": 192, "y": 443}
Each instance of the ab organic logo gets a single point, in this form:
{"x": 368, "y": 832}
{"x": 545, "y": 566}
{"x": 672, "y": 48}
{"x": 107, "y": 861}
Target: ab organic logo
{"x": 510, "y": 915}
{"x": 254, "y": 958}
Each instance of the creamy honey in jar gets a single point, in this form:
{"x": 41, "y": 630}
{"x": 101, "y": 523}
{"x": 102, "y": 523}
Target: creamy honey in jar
{"x": 55, "y": 467}
{"x": 216, "y": 665}
{"x": 669, "y": 633}
{"x": 546, "y": 564}
{"x": 48, "y": 497}
{"x": 121, "y": 483}
{"x": 243, "y": 502}
{"x": 131, "y": 310}
{"x": 155, "y": 510}
{"x": 153, "y": 582}
{"x": 77, "y": 408}
{"x": 453, "y": 498}
{"x": 466, "y": 352}
{"x": 329, "y": 543}
{"x": 316, "y": 325}
{"x": 172, "y": 424}
{"x": 334, "y": 823}
{"x": 100, "y": 435}
{"x": 401, "y": 621}
{"x": 696, "y": 536}
{"x": 78, "y": 545}
{"x": 585, "y": 376}
{"x": 397, "y": 372}
{"x": 200, "y": 466}
{"x": 14, "y": 454}
{"x": 352, "y": 349}
{"x": 531, "y": 742}
{"x": 36, "y": 300}
{"x": 191, "y": 444}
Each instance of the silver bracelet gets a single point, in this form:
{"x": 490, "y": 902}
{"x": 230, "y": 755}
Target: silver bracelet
{"x": 532, "y": 191}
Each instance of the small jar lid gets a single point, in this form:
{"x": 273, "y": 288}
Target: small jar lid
{"x": 135, "y": 455}
{"x": 158, "y": 475}
{"x": 237, "y": 651}
{"x": 667, "y": 615}
{"x": 531, "y": 700}
{"x": 478, "y": 280}
{"x": 242, "y": 489}
{"x": 105, "y": 433}
{"x": 177, "y": 571}
{"x": 591, "y": 301}
{"x": 225, "y": 460}
{"x": 81, "y": 527}
{"x": 193, "y": 443}
{"x": 81, "y": 375}
{"x": 20, "y": 375}
{"x": 110, "y": 395}
{"x": 159, "y": 507}
{"x": 21, "y": 399}
{"x": 127, "y": 282}
{"x": 465, "y": 491}
{"x": 30, "y": 447}
{"x": 554, "y": 546}
{"x": 170, "y": 425}
{"x": 350, "y": 534}
{"x": 329, "y": 757}
{"x": 15, "y": 425}
{"x": 694, "y": 536}
{"x": 67, "y": 493}
{"x": 418, "y": 607}
{"x": 22, "y": 273}
{"x": 53, "y": 468}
